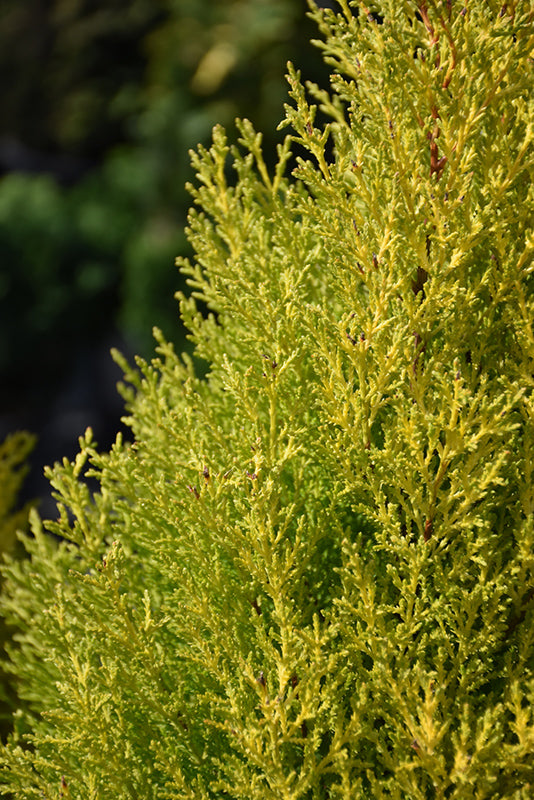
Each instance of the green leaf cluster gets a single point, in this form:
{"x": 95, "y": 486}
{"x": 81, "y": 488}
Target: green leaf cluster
{"x": 310, "y": 575}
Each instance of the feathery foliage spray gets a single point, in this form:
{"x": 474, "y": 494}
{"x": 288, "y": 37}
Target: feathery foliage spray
{"x": 310, "y": 576}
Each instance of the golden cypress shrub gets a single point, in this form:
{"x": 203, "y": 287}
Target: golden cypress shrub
{"x": 310, "y": 575}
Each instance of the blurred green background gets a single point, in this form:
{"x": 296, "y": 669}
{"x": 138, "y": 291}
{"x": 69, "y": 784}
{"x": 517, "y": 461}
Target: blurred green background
{"x": 101, "y": 102}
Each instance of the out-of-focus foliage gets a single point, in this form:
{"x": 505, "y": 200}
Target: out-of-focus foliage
{"x": 57, "y": 255}
{"x": 14, "y": 452}
{"x": 78, "y": 67}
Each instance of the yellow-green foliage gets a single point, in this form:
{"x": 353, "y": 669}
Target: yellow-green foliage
{"x": 311, "y": 574}
{"x": 14, "y": 451}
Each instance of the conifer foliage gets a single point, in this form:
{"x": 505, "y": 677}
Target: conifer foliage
{"x": 14, "y": 452}
{"x": 311, "y": 573}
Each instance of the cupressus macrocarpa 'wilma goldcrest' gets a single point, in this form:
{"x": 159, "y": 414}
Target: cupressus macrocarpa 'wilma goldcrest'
{"x": 310, "y": 573}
